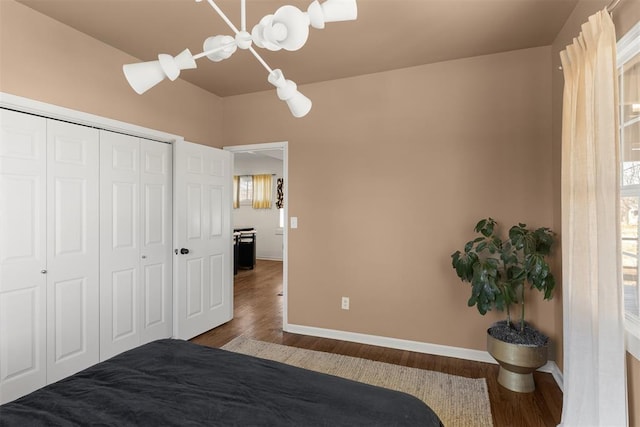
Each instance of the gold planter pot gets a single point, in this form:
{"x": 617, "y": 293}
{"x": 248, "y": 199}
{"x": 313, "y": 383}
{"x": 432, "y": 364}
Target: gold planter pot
{"x": 517, "y": 363}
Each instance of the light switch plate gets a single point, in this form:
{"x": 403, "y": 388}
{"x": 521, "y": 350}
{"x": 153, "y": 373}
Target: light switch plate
{"x": 294, "y": 222}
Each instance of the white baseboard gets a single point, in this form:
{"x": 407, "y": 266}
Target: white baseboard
{"x": 267, "y": 258}
{"x": 419, "y": 347}
{"x": 554, "y": 370}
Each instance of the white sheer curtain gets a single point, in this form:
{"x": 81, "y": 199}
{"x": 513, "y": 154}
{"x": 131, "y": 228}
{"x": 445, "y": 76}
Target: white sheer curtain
{"x": 594, "y": 353}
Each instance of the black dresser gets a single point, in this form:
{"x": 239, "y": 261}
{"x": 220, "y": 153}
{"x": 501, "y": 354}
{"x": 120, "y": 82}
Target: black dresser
{"x": 244, "y": 248}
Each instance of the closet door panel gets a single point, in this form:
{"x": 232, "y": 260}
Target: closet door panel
{"x": 123, "y": 295}
{"x": 119, "y": 243}
{"x": 22, "y": 254}
{"x": 72, "y": 248}
{"x": 70, "y": 331}
{"x": 155, "y": 281}
{"x": 156, "y": 240}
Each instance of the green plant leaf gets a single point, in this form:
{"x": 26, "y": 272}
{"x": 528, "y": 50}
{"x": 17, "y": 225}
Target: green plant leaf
{"x": 469, "y": 246}
{"x": 485, "y": 227}
{"x": 495, "y": 245}
{"x": 488, "y": 231}
{"x": 480, "y": 225}
{"x": 500, "y": 302}
{"x": 550, "y": 285}
{"x": 484, "y": 288}
{"x": 544, "y": 240}
{"x": 516, "y": 236}
{"x": 516, "y": 273}
{"x": 463, "y": 264}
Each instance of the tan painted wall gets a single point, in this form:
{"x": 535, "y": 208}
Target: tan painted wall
{"x": 45, "y": 60}
{"x": 389, "y": 174}
{"x": 626, "y": 14}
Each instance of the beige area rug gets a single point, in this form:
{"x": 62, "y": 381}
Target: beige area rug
{"x": 458, "y": 401}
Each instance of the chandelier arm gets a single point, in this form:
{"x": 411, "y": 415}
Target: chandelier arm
{"x": 260, "y": 60}
{"x": 223, "y": 16}
{"x": 217, "y": 49}
{"x": 243, "y": 15}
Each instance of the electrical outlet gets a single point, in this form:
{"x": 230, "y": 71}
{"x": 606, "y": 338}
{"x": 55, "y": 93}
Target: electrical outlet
{"x": 345, "y": 303}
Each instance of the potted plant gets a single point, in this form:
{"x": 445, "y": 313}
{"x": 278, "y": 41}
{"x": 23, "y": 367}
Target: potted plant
{"x": 499, "y": 271}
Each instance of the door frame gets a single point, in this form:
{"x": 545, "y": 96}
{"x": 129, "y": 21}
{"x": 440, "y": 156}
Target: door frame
{"x": 284, "y": 146}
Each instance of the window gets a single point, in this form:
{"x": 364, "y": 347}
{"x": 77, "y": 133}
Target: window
{"x": 629, "y": 86}
{"x": 253, "y": 190}
{"x": 245, "y": 190}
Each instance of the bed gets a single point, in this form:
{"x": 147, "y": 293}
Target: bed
{"x": 178, "y": 383}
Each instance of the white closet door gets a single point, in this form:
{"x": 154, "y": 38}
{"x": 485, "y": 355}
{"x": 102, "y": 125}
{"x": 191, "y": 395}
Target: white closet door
{"x": 156, "y": 240}
{"x": 135, "y": 242}
{"x": 72, "y": 248}
{"x": 22, "y": 254}
{"x": 204, "y": 278}
{"x": 119, "y": 243}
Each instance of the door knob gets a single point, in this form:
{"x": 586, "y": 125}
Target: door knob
{"x": 184, "y": 251}
{"x": 43, "y": 271}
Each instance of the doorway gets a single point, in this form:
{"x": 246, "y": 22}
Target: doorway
{"x": 273, "y": 150}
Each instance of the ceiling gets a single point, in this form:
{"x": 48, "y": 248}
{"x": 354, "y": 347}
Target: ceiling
{"x": 252, "y": 156}
{"x": 388, "y": 34}
{"x": 258, "y": 162}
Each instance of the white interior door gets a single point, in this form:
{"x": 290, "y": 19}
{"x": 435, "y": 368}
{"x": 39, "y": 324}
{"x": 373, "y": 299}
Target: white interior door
{"x": 22, "y": 254}
{"x": 72, "y": 248}
{"x": 203, "y": 246}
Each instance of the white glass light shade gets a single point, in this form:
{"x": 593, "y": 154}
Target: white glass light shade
{"x": 287, "y": 91}
{"x": 287, "y": 29}
{"x": 258, "y": 34}
{"x": 340, "y": 10}
{"x": 298, "y": 104}
{"x": 332, "y": 11}
{"x": 145, "y": 75}
{"x": 219, "y": 42}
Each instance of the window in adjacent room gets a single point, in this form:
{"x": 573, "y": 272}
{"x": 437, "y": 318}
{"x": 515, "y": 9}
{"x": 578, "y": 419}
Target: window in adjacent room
{"x": 245, "y": 190}
{"x": 629, "y": 86}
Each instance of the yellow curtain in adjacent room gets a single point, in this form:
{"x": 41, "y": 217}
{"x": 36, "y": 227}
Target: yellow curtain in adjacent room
{"x": 236, "y": 192}
{"x": 262, "y": 191}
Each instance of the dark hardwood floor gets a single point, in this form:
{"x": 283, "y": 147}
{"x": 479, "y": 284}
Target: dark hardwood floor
{"x": 258, "y": 315}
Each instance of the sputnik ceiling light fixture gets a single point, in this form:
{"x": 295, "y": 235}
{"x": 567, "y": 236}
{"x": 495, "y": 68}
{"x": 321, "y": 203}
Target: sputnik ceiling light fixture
{"x": 287, "y": 28}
